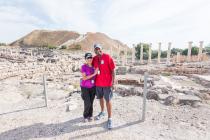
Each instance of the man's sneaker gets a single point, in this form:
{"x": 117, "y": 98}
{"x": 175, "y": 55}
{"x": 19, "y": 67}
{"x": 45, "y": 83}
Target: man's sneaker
{"x": 109, "y": 124}
{"x": 100, "y": 115}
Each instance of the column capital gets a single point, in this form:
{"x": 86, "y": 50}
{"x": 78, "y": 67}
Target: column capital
{"x": 150, "y": 44}
{"x": 190, "y": 42}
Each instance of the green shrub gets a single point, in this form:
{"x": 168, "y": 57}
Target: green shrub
{"x": 64, "y": 47}
{"x": 47, "y": 46}
{"x": 51, "y": 47}
{"x": 3, "y": 44}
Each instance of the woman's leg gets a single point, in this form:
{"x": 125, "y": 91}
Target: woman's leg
{"x": 92, "y": 97}
{"x": 87, "y": 102}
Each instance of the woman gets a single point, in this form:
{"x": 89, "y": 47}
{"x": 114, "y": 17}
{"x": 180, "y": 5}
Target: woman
{"x": 88, "y": 87}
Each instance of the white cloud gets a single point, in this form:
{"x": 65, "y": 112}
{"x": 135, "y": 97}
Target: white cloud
{"x": 15, "y": 23}
{"x": 130, "y": 21}
{"x": 158, "y": 20}
{"x": 71, "y": 14}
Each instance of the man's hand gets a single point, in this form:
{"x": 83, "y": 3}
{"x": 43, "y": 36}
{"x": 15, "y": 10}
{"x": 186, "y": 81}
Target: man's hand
{"x": 113, "y": 84}
{"x": 113, "y": 87}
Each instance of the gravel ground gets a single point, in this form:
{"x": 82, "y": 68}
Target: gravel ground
{"x": 162, "y": 122}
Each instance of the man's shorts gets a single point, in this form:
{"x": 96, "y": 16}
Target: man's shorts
{"x": 105, "y": 92}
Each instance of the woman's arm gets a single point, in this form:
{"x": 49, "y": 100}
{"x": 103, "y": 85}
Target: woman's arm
{"x": 84, "y": 77}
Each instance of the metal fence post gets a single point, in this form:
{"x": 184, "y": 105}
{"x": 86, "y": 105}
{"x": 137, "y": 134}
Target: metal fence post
{"x": 144, "y": 96}
{"x": 45, "y": 90}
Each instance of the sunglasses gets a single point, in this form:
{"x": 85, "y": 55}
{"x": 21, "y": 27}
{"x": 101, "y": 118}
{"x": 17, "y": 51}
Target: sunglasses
{"x": 89, "y": 58}
{"x": 97, "y": 49}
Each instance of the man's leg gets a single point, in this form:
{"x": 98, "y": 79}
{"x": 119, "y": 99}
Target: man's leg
{"x": 109, "y": 108}
{"x": 102, "y": 104}
{"x": 100, "y": 94}
{"x": 108, "y": 96}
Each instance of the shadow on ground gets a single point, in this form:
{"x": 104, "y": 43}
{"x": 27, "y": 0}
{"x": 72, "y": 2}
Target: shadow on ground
{"x": 22, "y": 110}
{"x": 41, "y": 130}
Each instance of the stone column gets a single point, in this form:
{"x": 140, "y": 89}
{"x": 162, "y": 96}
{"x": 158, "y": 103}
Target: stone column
{"x": 133, "y": 54}
{"x": 141, "y": 54}
{"x": 159, "y": 51}
{"x": 200, "y": 51}
{"x": 169, "y": 54}
{"x": 150, "y": 54}
{"x": 126, "y": 56}
{"x": 178, "y": 57}
{"x": 189, "y": 51}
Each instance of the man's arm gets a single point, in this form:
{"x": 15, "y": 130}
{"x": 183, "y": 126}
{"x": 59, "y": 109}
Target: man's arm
{"x": 113, "y": 79}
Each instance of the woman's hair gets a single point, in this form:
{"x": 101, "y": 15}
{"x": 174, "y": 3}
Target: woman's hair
{"x": 88, "y": 55}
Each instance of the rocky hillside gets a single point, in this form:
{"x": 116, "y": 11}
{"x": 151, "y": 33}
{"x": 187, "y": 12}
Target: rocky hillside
{"x": 91, "y": 38}
{"x": 38, "y": 38}
{"x": 69, "y": 39}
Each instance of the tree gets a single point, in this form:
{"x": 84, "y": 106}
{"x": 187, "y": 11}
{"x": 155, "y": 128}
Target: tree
{"x": 145, "y": 50}
{"x": 175, "y": 50}
{"x": 194, "y": 51}
{"x": 163, "y": 54}
{"x": 154, "y": 54}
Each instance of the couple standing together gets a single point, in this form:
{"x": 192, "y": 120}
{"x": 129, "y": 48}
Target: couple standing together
{"x": 97, "y": 79}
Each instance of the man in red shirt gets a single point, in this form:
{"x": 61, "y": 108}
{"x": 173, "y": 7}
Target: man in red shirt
{"x": 104, "y": 81}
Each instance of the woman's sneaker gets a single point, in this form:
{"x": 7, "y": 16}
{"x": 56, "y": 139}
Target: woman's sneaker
{"x": 90, "y": 119}
{"x": 85, "y": 120}
{"x": 100, "y": 115}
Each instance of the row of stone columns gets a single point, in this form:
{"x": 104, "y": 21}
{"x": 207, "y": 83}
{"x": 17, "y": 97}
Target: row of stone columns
{"x": 124, "y": 58}
{"x": 150, "y": 53}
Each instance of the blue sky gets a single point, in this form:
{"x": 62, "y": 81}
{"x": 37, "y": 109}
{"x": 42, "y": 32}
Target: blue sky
{"x": 130, "y": 21}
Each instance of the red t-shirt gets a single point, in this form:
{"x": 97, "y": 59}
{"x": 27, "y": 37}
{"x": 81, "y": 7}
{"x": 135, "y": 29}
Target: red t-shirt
{"x": 106, "y": 65}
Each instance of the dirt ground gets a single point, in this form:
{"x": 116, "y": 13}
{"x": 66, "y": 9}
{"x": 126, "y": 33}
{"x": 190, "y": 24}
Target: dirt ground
{"x": 28, "y": 119}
